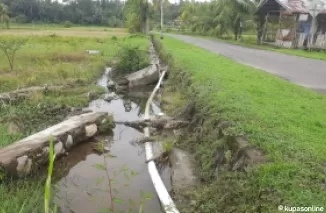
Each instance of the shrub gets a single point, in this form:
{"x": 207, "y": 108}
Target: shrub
{"x": 21, "y": 19}
{"x": 67, "y": 24}
{"x": 131, "y": 58}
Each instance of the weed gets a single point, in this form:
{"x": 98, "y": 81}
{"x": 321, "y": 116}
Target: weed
{"x": 168, "y": 146}
{"x": 48, "y": 186}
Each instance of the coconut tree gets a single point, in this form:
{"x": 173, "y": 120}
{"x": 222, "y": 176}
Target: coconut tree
{"x": 4, "y": 15}
{"x": 136, "y": 15}
{"x": 218, "y": 18}
{"x": 234, "y": 12}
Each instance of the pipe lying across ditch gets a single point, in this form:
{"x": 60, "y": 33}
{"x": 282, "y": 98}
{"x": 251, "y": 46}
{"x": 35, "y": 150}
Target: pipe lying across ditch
{"x": 163, "y": 194}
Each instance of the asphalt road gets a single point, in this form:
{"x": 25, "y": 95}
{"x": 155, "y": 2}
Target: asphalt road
{"x": 310, "y": 73}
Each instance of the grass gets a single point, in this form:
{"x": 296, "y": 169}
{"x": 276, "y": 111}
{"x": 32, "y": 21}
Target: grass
{"x": 52, "y": 60}
{"x": 55, "y": 61}
{"x": 22, "y": 196}
{"x": 284, "y": 120}
{"x": 250, "y": 42}
{"x": 60, "y": 30}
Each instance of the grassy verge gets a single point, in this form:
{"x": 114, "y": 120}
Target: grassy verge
{"x": 250, "y": 42}
{"x": 285, "y": 121}
{"x": 51, "y": 60}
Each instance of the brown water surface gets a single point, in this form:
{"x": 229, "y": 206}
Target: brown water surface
{"x": 84, "y": 188}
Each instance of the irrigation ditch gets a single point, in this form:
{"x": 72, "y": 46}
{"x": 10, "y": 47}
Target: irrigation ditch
{"x": 129, "y": 149}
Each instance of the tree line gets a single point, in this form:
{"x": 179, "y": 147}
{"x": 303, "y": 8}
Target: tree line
{"x": 219, "y": 18}
{"x": 112, "y": 13}
{"x": 84, "y": 12}
{"x": 215, "y": 18}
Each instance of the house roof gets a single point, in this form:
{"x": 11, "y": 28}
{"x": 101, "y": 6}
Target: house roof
{"x": 295, "y": 6}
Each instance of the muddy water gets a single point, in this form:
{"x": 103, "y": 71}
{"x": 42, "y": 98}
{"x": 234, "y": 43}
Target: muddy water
{"x": 83, "y": 189}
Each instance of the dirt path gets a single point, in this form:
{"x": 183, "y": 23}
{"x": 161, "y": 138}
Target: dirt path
{"x": 306, "y": 72}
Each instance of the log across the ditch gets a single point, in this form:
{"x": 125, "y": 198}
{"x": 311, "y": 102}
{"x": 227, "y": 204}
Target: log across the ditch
{"x": 147, "y": 76}
{"x": 19, "y": 158}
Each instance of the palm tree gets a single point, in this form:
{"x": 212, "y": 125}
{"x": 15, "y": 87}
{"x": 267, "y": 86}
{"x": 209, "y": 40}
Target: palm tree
{"x": 235, "y": 12}
{"x": 136, "y": 12}
{"x": 4, "y": 17}
{"x": 217, "y": 18}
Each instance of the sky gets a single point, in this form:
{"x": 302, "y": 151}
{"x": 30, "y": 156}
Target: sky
{"x": 172, "y": 1}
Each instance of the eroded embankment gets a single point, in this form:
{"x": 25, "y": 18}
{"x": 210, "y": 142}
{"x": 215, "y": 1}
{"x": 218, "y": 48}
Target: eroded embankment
{"x": 219, "y": 154}
{"x": 235, "y": 175}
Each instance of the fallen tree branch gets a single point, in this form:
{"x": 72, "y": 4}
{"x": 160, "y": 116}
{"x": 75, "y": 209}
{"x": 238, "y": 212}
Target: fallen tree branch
{"x": 159, "y": 158}
{"x": 160, "y": 123}
{"x": 142, "y": 140}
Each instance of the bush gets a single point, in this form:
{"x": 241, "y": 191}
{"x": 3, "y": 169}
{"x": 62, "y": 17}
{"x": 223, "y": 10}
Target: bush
{"x": 67, "y": 24}
{"x": 130, "y": 59}
{"x": 22, "y": 19}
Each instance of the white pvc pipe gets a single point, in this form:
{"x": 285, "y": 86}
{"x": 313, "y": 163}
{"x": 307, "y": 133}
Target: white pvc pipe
{"x": 163, "y": 194}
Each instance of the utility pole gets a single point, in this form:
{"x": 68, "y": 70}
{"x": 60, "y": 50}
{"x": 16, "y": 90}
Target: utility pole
{"x": 162, "y": 20}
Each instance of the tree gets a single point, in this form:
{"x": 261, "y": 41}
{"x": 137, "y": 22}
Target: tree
{"x": 4, "y": 15}
{"x": 136, "y": 14}
{"x": 94, "y": 12}
{"x": 217, "y": 18}
{"x": 10, "y": 47}
{"x": 238, "y": 10}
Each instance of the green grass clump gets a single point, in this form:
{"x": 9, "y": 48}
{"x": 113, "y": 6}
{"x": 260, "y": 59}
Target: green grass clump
{"x": 284, "y": 120}
{"x": 22, "y": 196}
{"x": 130, "y": 59}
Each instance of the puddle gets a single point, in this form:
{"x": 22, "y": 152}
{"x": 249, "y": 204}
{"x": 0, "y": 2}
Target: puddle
{"x": 83, "y": 189}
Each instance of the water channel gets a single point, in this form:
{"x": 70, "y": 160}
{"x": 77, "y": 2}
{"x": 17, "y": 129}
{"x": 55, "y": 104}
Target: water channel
{"x": 84, "y": 188}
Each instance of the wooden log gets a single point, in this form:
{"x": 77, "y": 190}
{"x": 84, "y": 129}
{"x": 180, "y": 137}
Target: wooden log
{"x": 20, "y": 157}
{"x": 146, "y": 76}
{"x": 21, "y": 94}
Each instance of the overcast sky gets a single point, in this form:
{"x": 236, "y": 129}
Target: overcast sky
{"x": 172, "y": 1}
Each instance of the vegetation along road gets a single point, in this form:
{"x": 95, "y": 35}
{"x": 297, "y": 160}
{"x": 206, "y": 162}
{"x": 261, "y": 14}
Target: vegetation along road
{"x": 303, "y": 71}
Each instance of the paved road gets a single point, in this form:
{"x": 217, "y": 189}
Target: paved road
{"x": 309, "y": 73}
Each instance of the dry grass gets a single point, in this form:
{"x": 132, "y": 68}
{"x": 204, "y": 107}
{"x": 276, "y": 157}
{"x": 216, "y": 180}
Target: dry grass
{"x": 71, "y": 32}
{"x": 69, "y": 57}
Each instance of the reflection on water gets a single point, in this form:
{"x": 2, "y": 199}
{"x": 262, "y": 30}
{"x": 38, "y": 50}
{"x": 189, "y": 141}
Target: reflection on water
{"x": 83, "y": 189}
